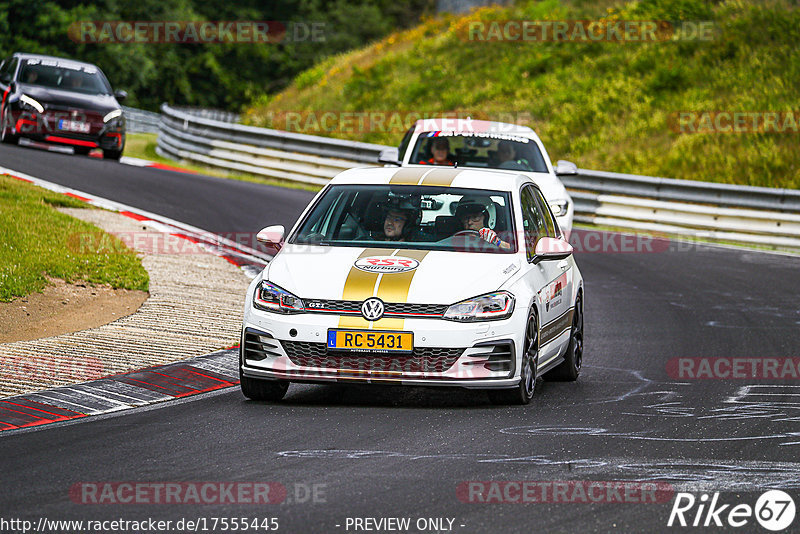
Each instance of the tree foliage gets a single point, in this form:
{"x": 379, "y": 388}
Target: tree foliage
{"x": 218, "y": 75}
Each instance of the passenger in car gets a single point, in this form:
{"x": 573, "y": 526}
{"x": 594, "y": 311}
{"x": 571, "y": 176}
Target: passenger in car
{"x": 400, "y": 221}
{"x": 440, "y": 149}
{"x": 393, "y": 225}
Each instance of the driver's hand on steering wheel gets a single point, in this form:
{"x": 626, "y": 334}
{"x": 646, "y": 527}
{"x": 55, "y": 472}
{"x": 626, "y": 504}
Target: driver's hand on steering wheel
{"x": 489, "y": 235}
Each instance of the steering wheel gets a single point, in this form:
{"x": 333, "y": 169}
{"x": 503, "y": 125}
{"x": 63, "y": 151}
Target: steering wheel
{"x": 465, "y": 233}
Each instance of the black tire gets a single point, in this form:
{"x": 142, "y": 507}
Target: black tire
{"x": 263, "y": 390}
{"x": 523, "y": 392}
{"x": 5, "y": 131}
{"x": 81, "y": 150}
{"x": 570, "y": 368}
{"x": 112, "y": 154}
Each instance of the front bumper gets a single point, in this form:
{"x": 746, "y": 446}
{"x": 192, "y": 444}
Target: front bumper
{"x": 293, "y": 347}
{"x": 44, "y": 127}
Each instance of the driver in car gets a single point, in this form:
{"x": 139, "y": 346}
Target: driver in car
{"x": 473, "y": 216}
{"x": 509, "y": 158}
{"x": 506, "y": 152}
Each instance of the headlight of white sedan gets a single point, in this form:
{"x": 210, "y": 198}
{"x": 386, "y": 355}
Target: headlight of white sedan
{"x": 273, "y": 298}
{"x": 559, "y": 207}
{"x": 488, "y": 307}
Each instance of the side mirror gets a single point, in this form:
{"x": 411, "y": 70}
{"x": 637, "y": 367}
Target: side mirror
{"x": 389, "y": 156}
{"x": 272, "y": 235}
{"x": 565, "y": 167}
{"x": 120, "y": 95}
{"x": 12, "y": 87}
{"x": 550, "y": 248}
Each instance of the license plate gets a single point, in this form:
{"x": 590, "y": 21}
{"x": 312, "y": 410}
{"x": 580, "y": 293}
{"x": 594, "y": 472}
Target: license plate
{"x": 74, "y": 126}
{"x": 370, "y": 341}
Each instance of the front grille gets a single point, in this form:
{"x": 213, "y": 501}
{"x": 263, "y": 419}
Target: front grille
{"x": 415, "y": 309}
{"x": 501, "y": 358}
{"x": 52, "y": 115}
{"x": 392, "y": 309}
{"x": 422, "y": 360}
{"x": 330, "y": 306}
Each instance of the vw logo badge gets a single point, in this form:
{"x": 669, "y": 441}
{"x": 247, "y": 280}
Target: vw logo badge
{"x": 372, "y": 309}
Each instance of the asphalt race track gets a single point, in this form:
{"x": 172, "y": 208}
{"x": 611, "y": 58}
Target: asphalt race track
{"x": 387, "y": 452}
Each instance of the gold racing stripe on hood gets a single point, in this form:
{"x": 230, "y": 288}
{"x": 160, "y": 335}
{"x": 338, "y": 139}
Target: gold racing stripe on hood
{"x": 422, "y": 176}
{"x": 360, "y": 285}
{"x": 440, "y": 177}
{"x": 389, "y": 287}
{"x": 408, "y": 176}
{"x": 394, "y": 287}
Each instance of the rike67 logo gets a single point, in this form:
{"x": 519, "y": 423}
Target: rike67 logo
{"x": 774, "y": 510}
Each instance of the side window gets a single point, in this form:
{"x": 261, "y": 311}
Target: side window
{"x": 552, "y": 226}
{"x": 401, "y": 150}
{"x": 7, "y": 70}
{"x": 534, "y": 225}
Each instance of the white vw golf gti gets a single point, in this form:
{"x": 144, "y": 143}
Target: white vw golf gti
{"x": 426, "y": 276}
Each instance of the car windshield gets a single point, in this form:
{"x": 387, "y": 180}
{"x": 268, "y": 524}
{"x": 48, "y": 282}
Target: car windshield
{"x": 67, "y": 76}
{"x": 420, "y": 217}
{"x": 483, "y": 150}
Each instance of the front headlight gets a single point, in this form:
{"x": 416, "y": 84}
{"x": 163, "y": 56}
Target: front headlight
{"x": 273, "y": 298}
{"x": 488, "y": 307}
{"x": 559, "y": 207}
{"x": 30, "y": 102}
{"x": 112, "y": 115}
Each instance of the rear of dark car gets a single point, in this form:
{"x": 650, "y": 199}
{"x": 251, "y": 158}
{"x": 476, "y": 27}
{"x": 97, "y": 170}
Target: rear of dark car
{"x": 60, "y": 101}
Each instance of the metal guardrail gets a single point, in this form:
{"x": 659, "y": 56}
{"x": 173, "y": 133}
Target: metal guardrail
{"x": 143, "y": 121}
{"x": 754, "y": 215}
{"x": 212, "y": 114}
{"x": 140, "y": 121}
{"x": 182, "y": 123}
{"x": 670, "y": 189}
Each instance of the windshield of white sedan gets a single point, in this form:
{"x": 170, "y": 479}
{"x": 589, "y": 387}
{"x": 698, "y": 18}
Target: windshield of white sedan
{"x": 423, "y": 217}
{"x": 484, "y": 150}
{"x": 67, "y": 76}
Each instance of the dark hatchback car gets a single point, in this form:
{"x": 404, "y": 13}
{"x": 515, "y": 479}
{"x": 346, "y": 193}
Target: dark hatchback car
{"x": 60, "y": 101}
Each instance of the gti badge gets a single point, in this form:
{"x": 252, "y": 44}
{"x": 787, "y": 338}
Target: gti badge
{"x": 372, "y": 309}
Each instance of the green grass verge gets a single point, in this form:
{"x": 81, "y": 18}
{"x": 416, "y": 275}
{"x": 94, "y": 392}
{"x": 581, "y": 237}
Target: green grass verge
{"x": 40, "y": 242}
{"x": 143, "y": 146}
{"x": 603, "y": 105}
